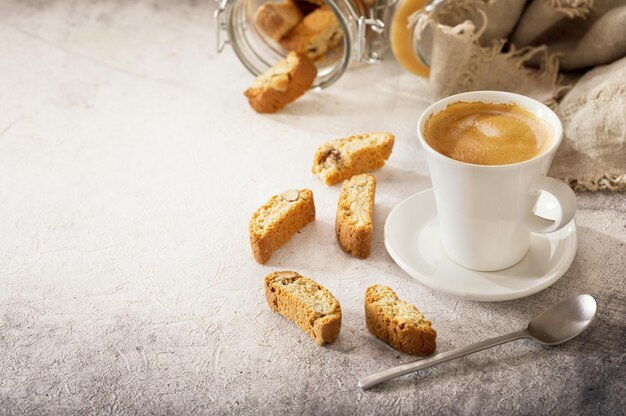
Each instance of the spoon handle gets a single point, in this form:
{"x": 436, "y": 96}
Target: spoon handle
{"x": 377, "y": 378}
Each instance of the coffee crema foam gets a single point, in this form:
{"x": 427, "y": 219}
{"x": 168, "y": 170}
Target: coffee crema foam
{"x": 487, "y": 133}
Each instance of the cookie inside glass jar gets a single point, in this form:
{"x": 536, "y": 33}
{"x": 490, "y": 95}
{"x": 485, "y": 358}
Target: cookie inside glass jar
{"x": 308, "y": 27}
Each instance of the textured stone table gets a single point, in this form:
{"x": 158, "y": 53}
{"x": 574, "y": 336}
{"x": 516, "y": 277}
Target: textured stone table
{"x": 130, "y": 164}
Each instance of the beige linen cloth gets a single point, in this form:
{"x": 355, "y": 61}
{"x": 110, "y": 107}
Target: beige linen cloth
{"x": 569, "y": 54}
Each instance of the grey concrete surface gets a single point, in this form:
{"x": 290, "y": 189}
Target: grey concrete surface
{"x": 129, "y": 166}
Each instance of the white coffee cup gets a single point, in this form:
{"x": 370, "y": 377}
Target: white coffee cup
{"x": 486, "y": 211}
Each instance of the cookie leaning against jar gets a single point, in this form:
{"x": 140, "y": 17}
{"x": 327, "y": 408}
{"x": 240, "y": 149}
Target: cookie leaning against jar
{"x": 274, "y": 223}
{"x": 282, "y": 84}
{"x": 338, "y": 160}
{"x": 306, "y": 303}
{"x": 398, "y": 323}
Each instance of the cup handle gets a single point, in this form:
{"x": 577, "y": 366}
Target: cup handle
{"x": 565, "y": 198}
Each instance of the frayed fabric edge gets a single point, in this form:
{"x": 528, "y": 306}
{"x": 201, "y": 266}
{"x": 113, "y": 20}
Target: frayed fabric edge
{"x": 549, "y": 62}
{"x": 548, "y": 69}
{"x": 581, "y": 9}
{"x": 457, "y": 8}
{"x": 603, "y": 182}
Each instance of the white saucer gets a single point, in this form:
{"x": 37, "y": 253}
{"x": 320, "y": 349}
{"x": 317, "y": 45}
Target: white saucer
{"x": 412, "y": 239}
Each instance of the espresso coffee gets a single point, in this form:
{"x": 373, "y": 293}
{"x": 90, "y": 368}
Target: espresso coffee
{"x": 487, "y": 134}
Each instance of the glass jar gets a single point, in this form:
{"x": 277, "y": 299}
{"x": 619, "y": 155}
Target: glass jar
{"x": 364, "y": 27}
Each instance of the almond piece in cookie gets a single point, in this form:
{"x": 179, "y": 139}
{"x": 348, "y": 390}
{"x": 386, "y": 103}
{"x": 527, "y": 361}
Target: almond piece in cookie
{"x": 397, "y": 322}
{"x": 282, "y": 84}
{"x": 341, "y": 159}
{"x": 308, "y": 304}
{"x": 354, "y": 222}
{"x": 317, "y": 33}
{"x": 273, "y": 224}
{"x": 276, "y": 19}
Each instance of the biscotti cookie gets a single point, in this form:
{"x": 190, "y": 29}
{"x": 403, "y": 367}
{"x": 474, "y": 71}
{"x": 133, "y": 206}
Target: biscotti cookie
{"x": 317, "y": 33}
{"x": 273, "y": 224}
{"x": 282, "y": 84}
{"x": 397, "y": 322}
{"x": 315, "y": 2}
{"x": 307, "y": 7}
{"x": 353, "y": 225}
{"x": 309, "y": 305}
{"x": 341, "y": 159}
{"x": 276, "y": 19}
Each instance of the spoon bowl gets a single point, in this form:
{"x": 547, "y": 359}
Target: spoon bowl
{"x": 563, "y": 321}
